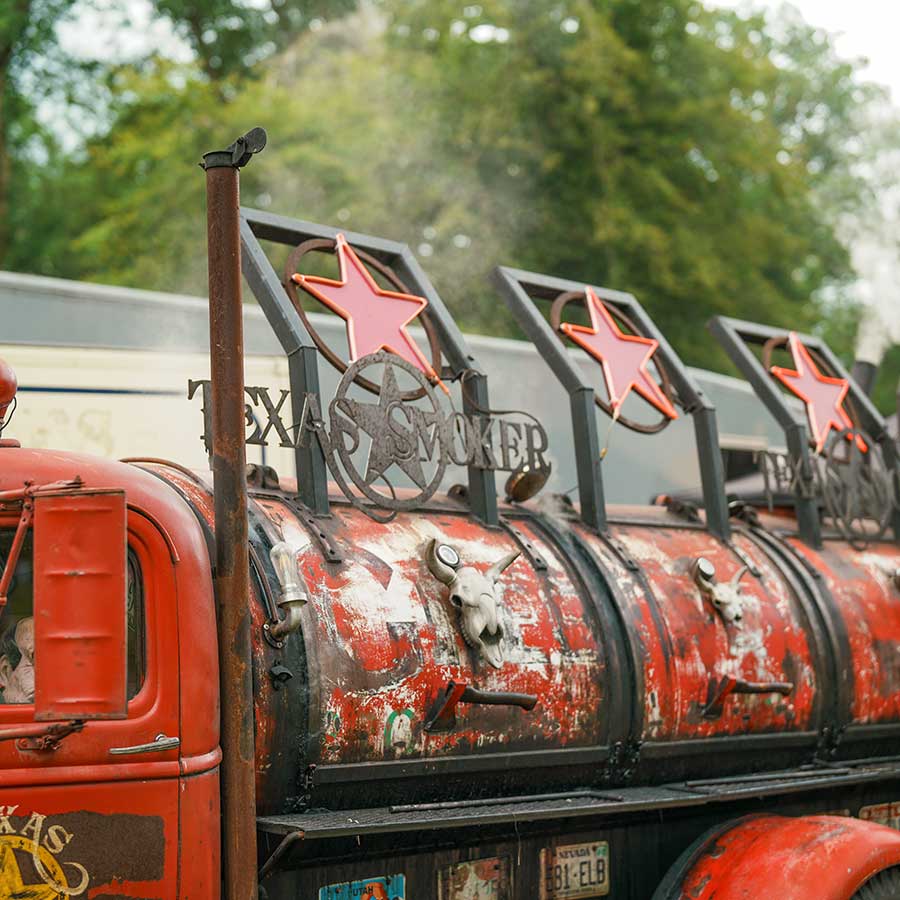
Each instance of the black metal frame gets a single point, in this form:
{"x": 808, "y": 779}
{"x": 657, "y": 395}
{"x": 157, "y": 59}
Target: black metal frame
{"x": 736, "y": 336}
{"x": 301, "y": 353}
{"x": 521, "y": 289}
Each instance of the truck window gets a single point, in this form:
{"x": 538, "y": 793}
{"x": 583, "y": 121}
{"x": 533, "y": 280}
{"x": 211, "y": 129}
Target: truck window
{"x": 17, "y": 626}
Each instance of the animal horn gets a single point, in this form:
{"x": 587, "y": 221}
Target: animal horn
{"x": 739, "y": 575}
{"x": 444, "y": 573}
{"x": 496, "y": 570}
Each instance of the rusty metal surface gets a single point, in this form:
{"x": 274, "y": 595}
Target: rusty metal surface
{"x": 807, "y": 858}
{"x": 80, "y": 586}
{"x": 387, "y": 643}
{"x": 686, "y": 646}
{"x": 867, "y": 600}
{"x": 381, "y": 640}
{"x": 232, "y": 583}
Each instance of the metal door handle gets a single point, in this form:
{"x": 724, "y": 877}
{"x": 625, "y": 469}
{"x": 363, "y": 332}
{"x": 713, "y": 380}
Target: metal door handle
{"x": 161, "y": 742}
{"x": 443, "y": 717}
{"x": 720, "y": 690}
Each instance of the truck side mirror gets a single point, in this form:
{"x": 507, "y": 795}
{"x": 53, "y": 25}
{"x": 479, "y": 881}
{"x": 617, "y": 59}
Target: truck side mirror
{"x": 80, "y": 598}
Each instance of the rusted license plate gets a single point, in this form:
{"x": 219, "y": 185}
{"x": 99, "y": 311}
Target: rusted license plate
{"x": 882, "y": 813}
{"x": 477, "y": 879}
{"x": 575, "y": 871}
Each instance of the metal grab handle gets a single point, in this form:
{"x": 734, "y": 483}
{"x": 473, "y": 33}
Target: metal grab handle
{"x": 443, "y": 717}
{"x": 498, "y": 698}
{"x": 720, "y": 690}
{"x": 161, "y": 742}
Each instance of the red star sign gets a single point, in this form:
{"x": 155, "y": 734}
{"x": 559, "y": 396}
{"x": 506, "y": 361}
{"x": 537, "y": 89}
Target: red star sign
{"x": 823, "y": 395}
{"x": 624, "y": 357}
{"x": 376, "y": 319}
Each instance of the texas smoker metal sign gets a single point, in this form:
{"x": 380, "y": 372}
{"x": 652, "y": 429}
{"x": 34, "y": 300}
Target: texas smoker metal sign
{"x": 405, "y": 426}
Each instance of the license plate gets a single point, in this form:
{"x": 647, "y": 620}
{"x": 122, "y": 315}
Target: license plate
{"x": 378, "y": 887}
{"x": 575, "y": 871}
{"x": 477, "y": 879}
{"x": 882, "y": 813}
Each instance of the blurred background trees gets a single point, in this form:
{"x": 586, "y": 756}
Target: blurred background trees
{"x": 707, "y": 162}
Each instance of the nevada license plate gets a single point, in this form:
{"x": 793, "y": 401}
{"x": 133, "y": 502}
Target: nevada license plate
{"x": 575, "y": 871}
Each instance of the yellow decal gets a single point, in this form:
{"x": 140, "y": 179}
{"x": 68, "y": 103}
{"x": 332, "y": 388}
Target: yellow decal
{"x": 47, "y": 876}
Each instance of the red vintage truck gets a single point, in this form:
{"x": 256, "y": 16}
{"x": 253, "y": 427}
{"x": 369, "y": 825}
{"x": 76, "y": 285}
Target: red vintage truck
{"x": 367, "y": 682}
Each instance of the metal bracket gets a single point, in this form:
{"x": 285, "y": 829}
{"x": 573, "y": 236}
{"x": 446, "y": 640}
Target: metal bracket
{"x": 280, "y": 675}
{"x": 618, "y": 548}
{"x": 537, "y": 561}
{"x": 330, "y": 551}
{"x": 684, "y": 509}
{"x": 752, "y": 568}
{"x": 622, "y": 764}
{"x": 829, "y": 741}
{"x": 49, "y": 740}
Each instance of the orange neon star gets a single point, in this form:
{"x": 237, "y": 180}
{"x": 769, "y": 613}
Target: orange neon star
{"x": 623, "y": 357}
{"x": 822, "y": 395}
{"x": 376, "y": 319}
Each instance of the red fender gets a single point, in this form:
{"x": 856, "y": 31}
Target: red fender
{"x": 807, "y": 858}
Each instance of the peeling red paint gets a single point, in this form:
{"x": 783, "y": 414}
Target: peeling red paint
{"x": 388, "y": 642}
{"x": 807, "y": 858}
{"x": 385, "y": 641}
{"x": 686, "y": 644}
{"x": 868, "y": 601}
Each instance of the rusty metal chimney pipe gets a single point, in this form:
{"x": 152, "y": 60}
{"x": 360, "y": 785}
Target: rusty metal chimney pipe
{"x": 232, "y": 581}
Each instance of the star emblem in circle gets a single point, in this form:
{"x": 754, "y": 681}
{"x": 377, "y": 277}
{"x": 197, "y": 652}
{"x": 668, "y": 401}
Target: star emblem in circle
{"x": 822, "y": 395}
{"x": 392, "y": 441}
{"x": 376, "y": 318}
{"x": 623, "y": 357}
{"x": 12, "y": 885}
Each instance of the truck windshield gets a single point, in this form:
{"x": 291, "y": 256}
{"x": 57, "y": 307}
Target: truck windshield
{"x": 17, "y": 626}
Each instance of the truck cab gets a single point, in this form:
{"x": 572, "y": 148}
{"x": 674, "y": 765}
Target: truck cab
{"x": 108, "y": 639}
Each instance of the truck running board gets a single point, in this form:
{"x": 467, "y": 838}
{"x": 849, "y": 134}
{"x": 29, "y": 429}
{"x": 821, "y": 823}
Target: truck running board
{"x": 321, "y": 824}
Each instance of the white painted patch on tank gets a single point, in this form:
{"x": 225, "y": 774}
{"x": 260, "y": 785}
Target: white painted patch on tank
{"x": 646, "y": 551}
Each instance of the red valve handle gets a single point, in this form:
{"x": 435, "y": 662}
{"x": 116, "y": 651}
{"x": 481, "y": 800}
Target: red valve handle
{"x": 720, "y": 690}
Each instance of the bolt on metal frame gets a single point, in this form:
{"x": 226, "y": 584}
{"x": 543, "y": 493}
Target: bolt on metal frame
{"x": 301, "y": 352}
{"x": 521, "y": 290}
{"x": 736, "y": 337}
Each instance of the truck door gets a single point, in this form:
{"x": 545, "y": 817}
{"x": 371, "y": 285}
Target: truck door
{"x": 88, "y": 805}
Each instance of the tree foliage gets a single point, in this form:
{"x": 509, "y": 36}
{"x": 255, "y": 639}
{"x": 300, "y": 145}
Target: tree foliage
{"x": 672, "y": 151}
{"x": 699, "y": 159}
{"x": 30, "y": 68}
{"x": 230, "y": 38}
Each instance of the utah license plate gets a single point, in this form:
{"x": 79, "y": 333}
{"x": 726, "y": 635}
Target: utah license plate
{"x": 575, "y": 871}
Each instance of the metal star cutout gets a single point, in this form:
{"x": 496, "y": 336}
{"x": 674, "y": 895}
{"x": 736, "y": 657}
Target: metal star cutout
{"x": 822, "y": 395}
{"x": 376, "y": 319}
{"x": 393, "y": 442}
{"x": 623, "y": 357}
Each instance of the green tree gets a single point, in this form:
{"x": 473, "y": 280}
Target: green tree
{"x": 670, "y": 150}
{"x": 29, "y": 67}
{"x": 367, "y": 157}
{"x": 696, "y": 158}
{"x": 230, "y": 37}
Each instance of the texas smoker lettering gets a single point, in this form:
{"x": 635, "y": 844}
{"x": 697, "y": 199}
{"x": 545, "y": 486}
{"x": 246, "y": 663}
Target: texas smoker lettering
{"x": 43, "y": 845}
{"x": 485, "y": 442}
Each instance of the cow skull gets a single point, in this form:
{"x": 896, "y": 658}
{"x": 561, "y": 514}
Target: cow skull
{"x": 726, "y": 598}
{"x": 472, "y": 593}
